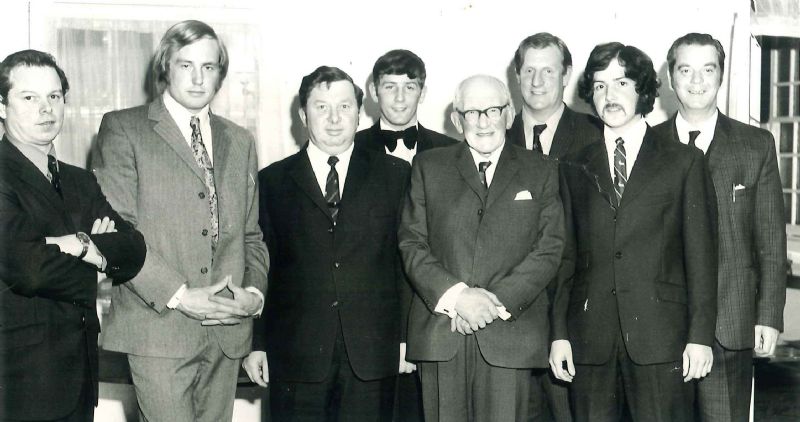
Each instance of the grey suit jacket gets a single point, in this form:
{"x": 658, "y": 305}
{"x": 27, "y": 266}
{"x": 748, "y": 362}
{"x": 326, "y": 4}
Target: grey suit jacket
{"x": 150, "y": 176}
{"x": 751, "y": 231}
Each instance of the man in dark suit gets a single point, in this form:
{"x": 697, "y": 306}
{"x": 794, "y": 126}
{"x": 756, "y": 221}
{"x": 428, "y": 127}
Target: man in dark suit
{"x": 751, "y": 289}
{"x": 332, "y": 320}
{"x": 634, "y": 322}
{"x": 481, "y": 237}
{"x": 398, "y": 86}
{"x": 543, "y": 66}
{"x": 56, "y": 232}
{"x": 186, "y": 178}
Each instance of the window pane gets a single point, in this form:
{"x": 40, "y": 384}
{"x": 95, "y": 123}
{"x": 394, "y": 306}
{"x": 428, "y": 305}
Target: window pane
{"x": 783, "y": 65}
{"x": 796, "y": 97}
{"x": 785, "y": 169}
{"x": 787, "y": 207}
{"x": 787, "y": 130}
{"x": 783, "y": 101}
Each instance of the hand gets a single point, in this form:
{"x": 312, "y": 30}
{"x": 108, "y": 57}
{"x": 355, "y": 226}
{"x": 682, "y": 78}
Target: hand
{"x": 247, "y": 300}
{"x": 255, "y": 364}
{"x": 697, "y": 361}
{"x": 405, "y": 367}
{"x": 477, "y": 306}
{"x": 106, "y": 225}
{"x": 71, "y": 245}
{"x": 196, "y": 304}
{"x": 461, "y": 325}
{"x": 766, "y": 339}
{"x": 560, "y": 352}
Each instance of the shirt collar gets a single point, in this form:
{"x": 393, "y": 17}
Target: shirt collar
{"x": 706, "y": 128}
{"x": 551, "y": 122}
{"x": 181, "y": 115}
{"x": 319, "y": 157}
{"x": 385, "y": 126}
{"x": 35, "y": 155}
{"x": 494, "y": 157}
{"x": 634, "y": 134}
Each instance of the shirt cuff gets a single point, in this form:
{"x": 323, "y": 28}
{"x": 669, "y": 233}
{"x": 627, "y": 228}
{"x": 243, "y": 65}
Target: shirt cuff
{"x": 261, "y": 295}
{"x": 175, "y": 300}
{"x": 447, "y": 303}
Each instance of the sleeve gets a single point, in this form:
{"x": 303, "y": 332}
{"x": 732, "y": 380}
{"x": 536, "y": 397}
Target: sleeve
{"x": 770, "y": 239}
{"x": 264, "y": 222}
{"x": 256, "y": 263}
{"x": 566, "y": 271}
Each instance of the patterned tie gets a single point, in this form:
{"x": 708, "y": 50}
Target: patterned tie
{"x": 55, "y": 178}
{"x": 332, "y": 188}
{"x": 693, "y": 134}
{"x": 201, "y": 156}
{"x": 537, "y": 133}
{"x": 482, "y": 166}
{"x": 620, "y": 169}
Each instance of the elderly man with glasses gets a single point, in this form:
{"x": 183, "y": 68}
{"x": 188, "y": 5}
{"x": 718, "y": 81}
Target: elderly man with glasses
{"x": 481, "y": 236}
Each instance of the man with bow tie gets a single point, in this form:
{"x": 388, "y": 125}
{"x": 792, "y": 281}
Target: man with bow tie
{"x": 751, "y": 290}
{"x": 398, "y": 86}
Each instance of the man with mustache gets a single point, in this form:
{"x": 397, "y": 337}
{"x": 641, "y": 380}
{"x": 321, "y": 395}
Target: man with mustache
{"x": 633, "y": 321}
{"x": 752, "y": 238}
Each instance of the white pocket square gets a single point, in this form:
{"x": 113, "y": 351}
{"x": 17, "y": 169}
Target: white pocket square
{"x": 738, "y": 187}
{"x": 523, "y": 196}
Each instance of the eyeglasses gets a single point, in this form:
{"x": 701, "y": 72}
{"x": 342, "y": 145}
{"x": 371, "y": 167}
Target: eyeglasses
{"x": 492, "y": 113}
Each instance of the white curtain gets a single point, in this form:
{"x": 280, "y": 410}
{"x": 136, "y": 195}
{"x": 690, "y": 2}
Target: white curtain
{"x": 107, "y": 63}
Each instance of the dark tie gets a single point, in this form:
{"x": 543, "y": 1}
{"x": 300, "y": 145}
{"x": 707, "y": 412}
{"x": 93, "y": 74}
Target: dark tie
{"x": 537, "y": 133}
{"x": 390, "y": 137}
{"x": 482, "y": 166}
{"x": 332, "y": 188}
{"x": 55, "y": 178}
{"x": 203, "y": 160}
{"x": 693, "y": 134}
{"x": 620, "y": 169}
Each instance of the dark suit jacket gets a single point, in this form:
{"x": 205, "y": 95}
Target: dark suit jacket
{"x": 449, "y": 233}
{"x": 751, "y": 232}
{"x": 370, "y": 138}
{"x": 324, "y": 276}
{"x": 648, "y": 265}
{"x": 575, "y": 131}
{"x": 150, "y": 175}
{"x": 48, "y": 319}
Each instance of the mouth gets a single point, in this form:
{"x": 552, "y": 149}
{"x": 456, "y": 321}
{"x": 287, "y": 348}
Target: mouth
{"x": 196, "y": 93}
{"x": 399, "y": 109}
{"x": 613, "y": 108}
{"x": 47, "y": 124}
{"x": 334, "y": 132}
{"x": 697, "y": 91}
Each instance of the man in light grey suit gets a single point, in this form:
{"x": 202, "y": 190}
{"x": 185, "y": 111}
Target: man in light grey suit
{"x": 186, "y": 179}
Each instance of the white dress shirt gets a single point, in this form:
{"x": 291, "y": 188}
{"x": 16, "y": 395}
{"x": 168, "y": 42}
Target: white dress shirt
{"x": 633, "y": 138}
{"x": 319, "y": 163}
{"x": 182, "y": 117}
{"x": 547, "y": 135}
{"x": 706, "y": 129}
{"x": 401, "y": 151}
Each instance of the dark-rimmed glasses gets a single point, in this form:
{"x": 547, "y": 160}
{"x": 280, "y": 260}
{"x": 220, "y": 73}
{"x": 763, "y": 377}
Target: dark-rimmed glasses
{"x": 492, "y": 113}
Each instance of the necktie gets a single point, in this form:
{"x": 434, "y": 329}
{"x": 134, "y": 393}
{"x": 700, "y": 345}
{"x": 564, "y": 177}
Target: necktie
{"x": 409, "y": 137}
{"x": 537, "y": 133}
{"x": 693, "y": 134}
{"x": 55, "y": 178}
{"x": 332, "y": 188}
{"x": 620, "y": 169}
{"x": 201, "y": 156}
{"x": 482, "y": 166}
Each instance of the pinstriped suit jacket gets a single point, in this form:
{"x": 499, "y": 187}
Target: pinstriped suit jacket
{"x": 151, "y": 177}
{"x": 751, "y": 232}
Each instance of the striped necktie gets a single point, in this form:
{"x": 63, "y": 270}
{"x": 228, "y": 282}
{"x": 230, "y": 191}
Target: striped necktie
{"x": 537, "y": 135}
{"x": 620, "y": 169}
{"x": 332, "y": 188}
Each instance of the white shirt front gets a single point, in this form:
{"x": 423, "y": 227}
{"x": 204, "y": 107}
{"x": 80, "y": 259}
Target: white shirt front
{"x": 706, "y": 128}
{"x": 493, "y": 157}
{"x": 547, "y": 135}
{"x": 319, "y": 163}
{"x": 182, "y": 117}
{"x": 401, "y": 151}
{"x": 633, "y": 138}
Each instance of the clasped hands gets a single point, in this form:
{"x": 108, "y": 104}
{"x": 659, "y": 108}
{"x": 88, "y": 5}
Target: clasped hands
{"x": 475, "y": 309}
{"x": 203, "y": 304}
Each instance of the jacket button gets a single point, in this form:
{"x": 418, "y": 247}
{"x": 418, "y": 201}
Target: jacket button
{"x": 480, "y": 211}
{"x": 202, "y": 195}
{"x": 203, "y": 270}
{"x": 205, "y": 232}
{"x": 330, "y": 229}
{"x": 336, "y": 265}
{"x": 618, "y": 255}
{"x": 335, "y": 304}
{"x": 614, "y": 292}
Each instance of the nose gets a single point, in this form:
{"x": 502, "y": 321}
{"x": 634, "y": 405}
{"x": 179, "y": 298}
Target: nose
{"x": 400, "y": 96}
{"x": 536, "y": 79}
{"x": 483, "y": 120}
{"x": 611, "y": 93}
{"x": 334, "y": 115}
{"x": 197, "y": 76}
{"x": 45, "y": 107}
{"x": 697, "y": 77}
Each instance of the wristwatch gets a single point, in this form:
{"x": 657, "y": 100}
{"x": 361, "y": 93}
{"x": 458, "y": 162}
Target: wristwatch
{"x": 84, "y": 238}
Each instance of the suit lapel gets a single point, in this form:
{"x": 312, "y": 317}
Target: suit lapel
{"x": 469, "y": 172}
{"x": 302, "y": 174}
{"x": 507, "y": 168}
{"x": 596, "y": 168}
{"x": 517, "y": 131}
{"x": 357, "y": 174}
{"x": 221, "y": 149}
{"x": 167, "y": 128}
{"x": 646, "y": 166}
{"x": 723, "y": 156}
{"x": 564, "y": 134}
{"x": 424, "y": 142}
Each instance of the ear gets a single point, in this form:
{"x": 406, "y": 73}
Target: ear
{"x": 567, "y": 76}
{"x": 456, "y": 119}
{"x": 2, "y": 108}
{"x": 422, "y": 94}
{"x": 373, "y": 91}
{"x": 302, "y": 114}
{"x": 508, "y": 114}
{"x": 672, "y": 85}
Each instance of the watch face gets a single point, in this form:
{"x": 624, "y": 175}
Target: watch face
{"x": 83, "y": 237}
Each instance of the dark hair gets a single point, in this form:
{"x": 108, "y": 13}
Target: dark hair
{"x": 178, "y": 36}
{"x": 694, "y": 38}
{"x": 399, "y": 62}
{"x": 638, "y": 67}
{"x": 326, "y": 75}
{"x": 27, "y": 58}
{"x": 542, "y": 40}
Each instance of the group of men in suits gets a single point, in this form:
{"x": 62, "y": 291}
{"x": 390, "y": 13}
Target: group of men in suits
{"x": 640, "y": 264}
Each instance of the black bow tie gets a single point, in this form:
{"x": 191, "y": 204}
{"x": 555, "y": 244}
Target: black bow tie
{"x": 390, "y": 137}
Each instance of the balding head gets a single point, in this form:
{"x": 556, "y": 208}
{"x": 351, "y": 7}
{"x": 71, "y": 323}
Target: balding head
{"x": 482, "y": 112}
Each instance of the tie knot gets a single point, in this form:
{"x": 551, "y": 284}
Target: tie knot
{"x": 693, "y": 134}
{"x": 51, "y": 161}
{"x": 332, "y": 160}
{"x": 194, "y": 122}
{"x": 483, "y": 165}
{"x": 620, "y": 141}
{"x": 538, "y": 129}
